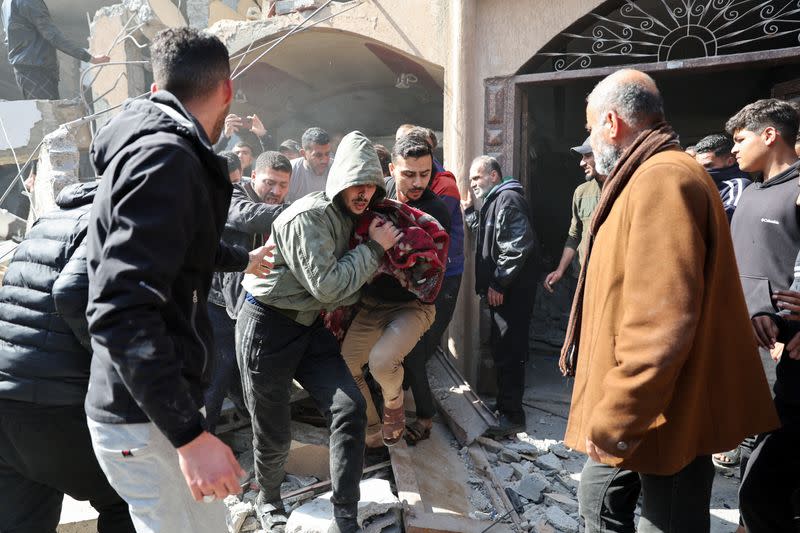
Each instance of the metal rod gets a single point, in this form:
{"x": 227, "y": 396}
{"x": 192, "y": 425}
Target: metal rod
{"x": 291, "y": 32}
{"x": 320, "y": 21}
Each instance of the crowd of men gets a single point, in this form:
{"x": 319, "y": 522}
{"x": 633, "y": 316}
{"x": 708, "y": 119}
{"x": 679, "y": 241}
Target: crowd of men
{"x": 189, "y": 273}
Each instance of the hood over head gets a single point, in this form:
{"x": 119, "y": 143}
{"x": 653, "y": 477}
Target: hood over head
{"x": 77, "y": 195}
{"x": 356, "y": 163}
{"x": 162, "y": 112}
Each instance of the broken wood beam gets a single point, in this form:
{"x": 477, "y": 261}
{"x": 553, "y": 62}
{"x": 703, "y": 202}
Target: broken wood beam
{"x": 462, "y": 409}
{"x": 482, "y": 466}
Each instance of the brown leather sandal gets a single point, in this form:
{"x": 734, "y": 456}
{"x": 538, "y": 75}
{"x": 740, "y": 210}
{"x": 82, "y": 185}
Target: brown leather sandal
{"x": 394, "y": 425}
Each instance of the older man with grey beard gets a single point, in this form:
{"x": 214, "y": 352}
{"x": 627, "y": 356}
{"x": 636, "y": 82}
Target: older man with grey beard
{"x": 657, "y": 290}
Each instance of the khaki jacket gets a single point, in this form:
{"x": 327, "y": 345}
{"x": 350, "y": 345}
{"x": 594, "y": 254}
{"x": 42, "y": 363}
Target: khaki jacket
{"x": 668, "y": 368}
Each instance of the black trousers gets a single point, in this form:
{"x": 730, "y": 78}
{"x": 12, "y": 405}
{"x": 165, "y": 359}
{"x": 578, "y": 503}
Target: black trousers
{"x": 277, "y": 350}
{"x": 607, "y": 497}
{"x": 769, "y": 495}
{"x": 416, "y": 375}
{"x": 225, "y": 378}
{"x": 677, "y": 503}
{"x": 37, "y": 83}
{"x": 46, "y": 452}
{"x": 510, "y": 347}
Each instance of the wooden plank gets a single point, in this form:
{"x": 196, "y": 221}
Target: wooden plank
{"x": 431, "y": 480}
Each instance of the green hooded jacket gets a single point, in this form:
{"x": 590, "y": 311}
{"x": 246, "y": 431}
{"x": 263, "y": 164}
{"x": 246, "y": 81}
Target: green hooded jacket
{"x": 314, "y": 267}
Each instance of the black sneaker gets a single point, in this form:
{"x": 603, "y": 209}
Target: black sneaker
{"x": 271, "y": 516}
{"x": 507, "y": 426}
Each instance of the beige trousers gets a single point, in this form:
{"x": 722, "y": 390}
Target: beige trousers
{"x": 381, "y": 335}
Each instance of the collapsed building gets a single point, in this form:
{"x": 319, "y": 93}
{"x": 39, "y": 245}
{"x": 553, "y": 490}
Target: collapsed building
{"x": 502, "y": 77}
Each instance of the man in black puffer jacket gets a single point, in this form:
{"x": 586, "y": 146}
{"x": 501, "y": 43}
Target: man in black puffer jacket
{"x": 45, "y": 451}
{"x": 506, "y": 275}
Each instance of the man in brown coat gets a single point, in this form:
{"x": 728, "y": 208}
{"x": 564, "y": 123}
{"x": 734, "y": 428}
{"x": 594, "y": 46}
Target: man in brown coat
{"x": 665, "y": 362}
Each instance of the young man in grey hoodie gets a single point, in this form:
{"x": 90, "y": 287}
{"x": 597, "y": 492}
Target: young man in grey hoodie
{"x": 280, "y": 336}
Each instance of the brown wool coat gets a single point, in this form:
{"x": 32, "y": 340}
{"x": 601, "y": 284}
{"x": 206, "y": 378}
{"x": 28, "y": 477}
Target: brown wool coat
{"x": 668, "y": 367}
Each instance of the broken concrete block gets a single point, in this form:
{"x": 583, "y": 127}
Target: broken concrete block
{"x": 237, "y": 515}
{"x": 503, "y": 472}
{"x": 510, "y": 456}
{"x": 532, "y": 486}
{"x": 522, "y": 469}
{"x": 523, "y": 447}
{"x": 541, "y": 526}
{"x": 549, "y": 462}
{"x": 479, "y": 500}
{"x": 316, "y": 515}
{"x": 59, "y": 162}
{"x": 251, "y": 524}
{"x": 561, "y": 451}
{"x": 561, "y": 520}
{"x": 566, "y": 503}
{"x": 301, "y": 481}
{"x": 282, "y": 7}
{"x": 542, "y": 445}
{"x": 27, "y": 122}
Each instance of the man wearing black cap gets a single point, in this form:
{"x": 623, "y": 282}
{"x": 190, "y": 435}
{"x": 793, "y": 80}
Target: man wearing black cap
{"x": 584, "y": 201}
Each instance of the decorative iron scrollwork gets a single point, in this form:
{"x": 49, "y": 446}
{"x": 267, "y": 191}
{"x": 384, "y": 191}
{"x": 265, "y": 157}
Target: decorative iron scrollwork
{"x": 664, "y": 30}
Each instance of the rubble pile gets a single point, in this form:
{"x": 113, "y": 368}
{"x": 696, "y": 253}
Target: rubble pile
{"x": 541, "y": 472}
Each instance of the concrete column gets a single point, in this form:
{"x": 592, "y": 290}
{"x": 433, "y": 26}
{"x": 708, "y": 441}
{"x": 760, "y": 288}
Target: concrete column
{"x": 59, "y": 161}
{"x": 459, "y": 138}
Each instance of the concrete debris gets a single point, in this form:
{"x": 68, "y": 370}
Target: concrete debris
{"x": 541, "y": 526}
{"x": 565, "y": 502}
{"x": 377, "y": 502}
{"x": 238, "y": 512}
{"x": 480, "y": 501}
{"x": 522, "y": 469}
{"x": 510, "y": 456}
{"x": 542, "y": 445}
{"x": 251, "y": 524}
{"x": 561, "y": 520}
{"x": 301, "y": 481}
{"x": 532, "y": 486}
{"x": 523, "y": 447}
{"x": 549, "y": 462}
{"x": 561, "y": 451}
{"x": 503, "y": 472}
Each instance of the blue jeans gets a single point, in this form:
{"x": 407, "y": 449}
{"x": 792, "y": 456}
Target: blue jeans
{"x": 225, "y": 376}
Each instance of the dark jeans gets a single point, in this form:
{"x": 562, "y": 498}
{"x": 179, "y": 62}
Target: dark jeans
{"x": 277, "y": 350}
{"x": 225, "y": 378}
{"x": 670, "y": 504}
{"x": 607, "y": 497}
{"x": 46, "y": 452}
{"x": 416, "y": 376}
{"x": 510, "y": 345}
{"x": 769, "y": 495}
{"x": 37, "y": 83}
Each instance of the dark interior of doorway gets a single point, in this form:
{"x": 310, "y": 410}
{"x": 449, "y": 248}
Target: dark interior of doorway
{"x": 697, "y": 104}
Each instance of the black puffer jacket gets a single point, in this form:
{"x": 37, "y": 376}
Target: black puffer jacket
{"x": 153, "y": 243}
{"x": 506, "y": 245}
{"x": 248, "y": 226}
{"x": 44, "y": 356}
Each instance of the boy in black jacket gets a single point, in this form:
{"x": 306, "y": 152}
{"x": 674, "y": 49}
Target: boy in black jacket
{"x": 766, "y": 238}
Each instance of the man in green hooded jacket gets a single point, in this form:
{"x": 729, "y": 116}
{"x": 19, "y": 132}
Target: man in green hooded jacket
{"x": 280, "y": 336}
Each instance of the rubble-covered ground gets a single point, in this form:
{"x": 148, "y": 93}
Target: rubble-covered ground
{"x": 539, "y": 469}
